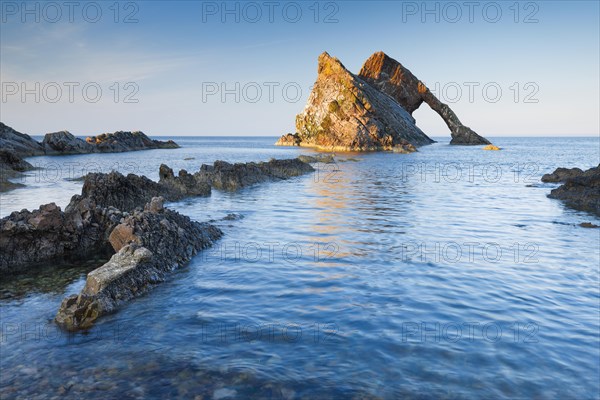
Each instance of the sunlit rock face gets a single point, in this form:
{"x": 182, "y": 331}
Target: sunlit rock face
{"x": 344, "y": 113}
{"x": 392, "y": 78}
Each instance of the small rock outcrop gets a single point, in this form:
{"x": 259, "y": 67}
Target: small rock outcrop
{"x": 64, "y": 142}
{"x": 148, "y": 245}
{"x": 344, "y": 113}
{"x": 580, "y": 190}
{"x": 392, "y": 78}
{"x": 18, "y": 143}
{"x": 225, "y": 176}
{"x": 289, "y": 139}
{"x": 562, "y": 174}
{"x": 11, "y": 166}
{"x": 127, "y": 141}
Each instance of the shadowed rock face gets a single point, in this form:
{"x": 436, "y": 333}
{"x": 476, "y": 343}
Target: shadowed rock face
{"x": 18, "y": 143}
{"x": 346, "y": 114}
{"x": 580, "y": 190}
{"x": 390, "y": 77}
{"x": 11, "y": 166}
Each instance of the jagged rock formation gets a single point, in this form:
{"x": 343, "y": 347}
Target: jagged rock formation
{"x": 225, "y": 176}
{"x": 344, "y": 113}
{"x": 580, "y": 190}
{"x": 19, "y": 143}
{"x": 29, "y": 238}
{"x": 64, "y": 142}
{"x": 392, "y": 78}
{"x": 11, "y": 166}
{"x": 159, "y": 240}
{"x": 371, "y": 110}
{"x": 127, "y": 141}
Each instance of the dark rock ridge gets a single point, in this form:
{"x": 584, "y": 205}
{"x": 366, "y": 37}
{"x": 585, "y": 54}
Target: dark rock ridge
{"x": 64, "y": 142}
{"x": 225, "y": 176}
{"x": 11, "y": 166}
{"x": 371, "y": 110}
{"x": 580, "y": 190}
{"x": 19, "y": 143}
{"x": 88, "y": 220}
{"x": 392, "y": 78}
{"x": 127, "y": 141}
{"x": 344, "y": 113}
{"x": 562, "y": 174}
{"x": 149, "y": 244}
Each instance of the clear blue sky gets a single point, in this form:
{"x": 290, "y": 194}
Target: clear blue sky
{"x": 177, "y": 54}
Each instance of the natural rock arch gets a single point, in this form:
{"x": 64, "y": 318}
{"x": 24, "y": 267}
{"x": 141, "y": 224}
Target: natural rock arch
{"x": 392, "y": 78}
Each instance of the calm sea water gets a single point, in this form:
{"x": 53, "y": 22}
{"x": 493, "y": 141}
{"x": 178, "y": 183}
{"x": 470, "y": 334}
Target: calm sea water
{"x": 446, "y": 273}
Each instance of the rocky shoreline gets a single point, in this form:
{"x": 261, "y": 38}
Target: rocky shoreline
{"x": 371, "y": 111}
{"x": 63, "y": 142}
{"x": 14, "y": 146}
{"x": 125, "y": 216}
{"x": 580, "y": 189}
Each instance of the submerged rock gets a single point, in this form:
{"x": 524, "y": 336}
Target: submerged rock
{"x": 158, "y": 240}
{"x": 344, "y": 113}
{"x": 319, "y": 158}
{"x": 580, "y": 190}
{"x": 392, "y": 78}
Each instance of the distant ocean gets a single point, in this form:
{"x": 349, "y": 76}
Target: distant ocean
{"x": 446, "y": 273}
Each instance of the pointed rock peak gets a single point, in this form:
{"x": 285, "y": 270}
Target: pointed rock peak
{"x": 330, "y": 65}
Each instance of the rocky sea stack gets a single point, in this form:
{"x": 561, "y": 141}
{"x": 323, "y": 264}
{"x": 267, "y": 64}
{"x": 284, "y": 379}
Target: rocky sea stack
{"x": 370, "y": 111}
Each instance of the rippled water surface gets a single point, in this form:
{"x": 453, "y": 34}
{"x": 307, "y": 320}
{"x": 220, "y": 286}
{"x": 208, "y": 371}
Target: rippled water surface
{"x": 446, "y": 273}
